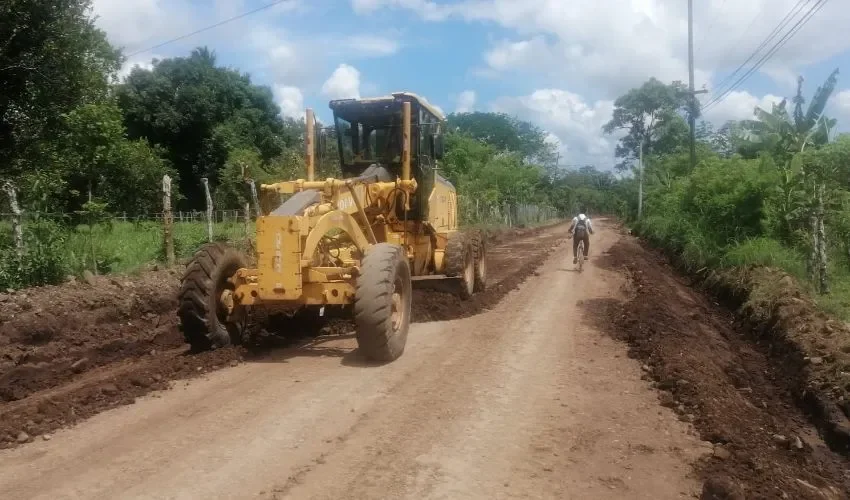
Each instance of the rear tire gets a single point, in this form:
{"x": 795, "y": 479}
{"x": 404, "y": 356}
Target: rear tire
{"x": 580, "y": 256}
{"x": 203, "y": 319}
{"x": 480, "y": 255}
{"x": 460, "y": 263}
{"x": 383, "y": 303}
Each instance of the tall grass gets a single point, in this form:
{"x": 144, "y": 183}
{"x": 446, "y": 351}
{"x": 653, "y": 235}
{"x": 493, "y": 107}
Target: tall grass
{"x": 696, "y": 249}
{"x": 127, "y": 246}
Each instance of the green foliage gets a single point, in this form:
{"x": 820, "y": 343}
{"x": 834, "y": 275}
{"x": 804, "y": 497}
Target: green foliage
{"x": 42, "y": 262}
{"x": 764, "y": 251}
{"x": 199, "y": 113}
{"x": 53, "y": 60}
{"x": 649, "y": 115}
{"x": 504, "y": 133}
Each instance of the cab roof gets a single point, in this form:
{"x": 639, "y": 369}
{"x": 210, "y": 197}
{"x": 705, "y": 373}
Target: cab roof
{"x": 389, "y": 100}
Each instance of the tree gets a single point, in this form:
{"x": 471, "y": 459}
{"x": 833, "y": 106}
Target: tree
{"x": 505, "y": 133}
{"x": 101, "y": 163}
{"x": 52, "y": 59}
{"x": 783, "y": 134}
{"x": 199, "y": 113}
{"x": 650, "y": 116}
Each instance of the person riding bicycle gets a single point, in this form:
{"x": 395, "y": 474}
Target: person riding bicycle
{"x": 579, "y": 229}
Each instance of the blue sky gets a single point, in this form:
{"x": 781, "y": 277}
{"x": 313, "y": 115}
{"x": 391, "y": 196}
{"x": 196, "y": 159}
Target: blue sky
{"x": 557, "y": 63}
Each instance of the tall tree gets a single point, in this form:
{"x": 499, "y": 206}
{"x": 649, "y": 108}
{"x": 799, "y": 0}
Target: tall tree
{"x": 649, "y": 115}
{"x": 52, "y": 59}
{"x": 505, "y": 133}
{"x": 199, "y": 112}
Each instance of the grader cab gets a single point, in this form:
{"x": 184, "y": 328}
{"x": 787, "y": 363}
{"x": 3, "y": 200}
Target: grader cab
{"x": 355, "y": 243}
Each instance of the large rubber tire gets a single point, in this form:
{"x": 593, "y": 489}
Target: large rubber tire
{"x": 202, "y": 318}
{"x": 383, "y": 303}
{"x": 479, "y": 249}
{"x": 460, "y": 263}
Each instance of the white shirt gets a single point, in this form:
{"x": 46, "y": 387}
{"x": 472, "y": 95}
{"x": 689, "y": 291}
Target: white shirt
{"x": 584, "y": 218}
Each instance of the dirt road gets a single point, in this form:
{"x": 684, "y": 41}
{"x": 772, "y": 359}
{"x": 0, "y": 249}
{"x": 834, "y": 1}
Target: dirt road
{"x": 524, "y": 400}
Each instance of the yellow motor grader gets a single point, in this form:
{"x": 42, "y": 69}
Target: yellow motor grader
{"x": 355, "y": 243}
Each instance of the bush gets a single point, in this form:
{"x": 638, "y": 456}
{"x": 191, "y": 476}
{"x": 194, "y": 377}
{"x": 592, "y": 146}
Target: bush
{"x": 765, "y": 252}
{"x": 42, "y": 263}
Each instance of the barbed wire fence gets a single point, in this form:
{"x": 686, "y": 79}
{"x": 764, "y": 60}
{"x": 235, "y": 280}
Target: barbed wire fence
{"x": 171, "y": 235}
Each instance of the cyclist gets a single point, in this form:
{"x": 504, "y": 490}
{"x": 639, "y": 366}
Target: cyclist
{"x": 579, "y": 229}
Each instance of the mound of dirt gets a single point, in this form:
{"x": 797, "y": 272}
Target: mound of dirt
{"x": 714, "y": 375}
{"x": 50, "y": 335}
{"x": 813, "y": 348}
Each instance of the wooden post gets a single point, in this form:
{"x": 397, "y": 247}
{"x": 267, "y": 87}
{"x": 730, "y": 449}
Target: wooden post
{"x": 206, "y": 184}
{"x": 308, "y": 143}
{"x": 254, "y": 198}
{"x": 17, "y": 226}
{"x": 167, "y": 221}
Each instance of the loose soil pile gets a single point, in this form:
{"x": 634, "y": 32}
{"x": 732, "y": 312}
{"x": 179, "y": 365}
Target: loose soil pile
{"x": 715, "y": 375}
{"x": 71, "y": 351}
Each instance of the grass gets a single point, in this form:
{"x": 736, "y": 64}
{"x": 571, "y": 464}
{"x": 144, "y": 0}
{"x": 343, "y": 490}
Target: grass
{"x": 131, "y": 247}
{"x": 127, "y": 247}
{"x": 697, "y": 251}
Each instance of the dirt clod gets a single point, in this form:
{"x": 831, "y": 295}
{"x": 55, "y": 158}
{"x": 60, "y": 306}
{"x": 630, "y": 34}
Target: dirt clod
{"x": 79, "y": 365}
{"x": 721, "y": 488}
{"x": 23, "y": 437}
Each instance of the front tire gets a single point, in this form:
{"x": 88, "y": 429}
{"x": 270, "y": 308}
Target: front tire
{"x": 480, "y": 256}
{"x": 383, "y": 303}
{"x": 460, "y": 263}
{"x": 203, "y": 319}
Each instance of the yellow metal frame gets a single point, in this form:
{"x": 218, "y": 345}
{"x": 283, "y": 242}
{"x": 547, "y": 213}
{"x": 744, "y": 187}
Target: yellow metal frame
{"x": 291, "y": 271}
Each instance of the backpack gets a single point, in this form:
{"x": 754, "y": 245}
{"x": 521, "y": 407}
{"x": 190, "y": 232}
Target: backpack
{"x": 581, "y": 223}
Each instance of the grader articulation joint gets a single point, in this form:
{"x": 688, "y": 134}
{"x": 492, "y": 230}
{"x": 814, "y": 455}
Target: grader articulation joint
{"x": 356, "y": 243}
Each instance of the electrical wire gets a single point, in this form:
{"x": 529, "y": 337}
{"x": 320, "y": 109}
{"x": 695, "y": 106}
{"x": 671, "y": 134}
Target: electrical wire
{"x": 785, "y": 20}
{"x": 781, "y": 43}
{"x": 207, "y": 28}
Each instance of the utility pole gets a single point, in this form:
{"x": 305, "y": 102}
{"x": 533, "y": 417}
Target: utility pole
{"x": 692, "y": 101}
{"x": 692, "y": 119}
{"x": 640, "y": 180}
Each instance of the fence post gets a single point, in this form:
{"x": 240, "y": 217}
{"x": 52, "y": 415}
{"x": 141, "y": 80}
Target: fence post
{"x": 206, "y": 183}
{"x": 17, "y": 227}
{"x": 167, "y": 220}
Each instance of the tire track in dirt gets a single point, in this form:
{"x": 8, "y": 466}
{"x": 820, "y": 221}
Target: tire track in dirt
{"x": 71, "y": 351}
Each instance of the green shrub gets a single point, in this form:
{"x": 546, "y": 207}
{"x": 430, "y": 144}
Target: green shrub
{"x": 42, "y": 263}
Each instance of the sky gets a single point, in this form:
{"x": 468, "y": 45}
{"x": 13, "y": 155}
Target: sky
{"x": 559, "y": 64}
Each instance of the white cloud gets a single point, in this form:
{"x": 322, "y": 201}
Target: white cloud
{"x": 613, "y": 45}
{"x": 142, "y": 61}
{"x": 343, "y": 83}
{"x": 290, "y": 100}
{"x": 570, "y": 122}
{"x": 739, "y": 105}
{"x": 839, "y": 107}
{"x": 372, "y": 45}
{"x": 465, "y": 101}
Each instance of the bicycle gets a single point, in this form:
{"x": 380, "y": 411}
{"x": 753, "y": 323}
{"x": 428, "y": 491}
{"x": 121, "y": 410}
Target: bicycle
{"x": 580, "y": 255}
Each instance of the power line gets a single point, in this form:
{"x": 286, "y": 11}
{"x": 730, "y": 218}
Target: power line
{"x": 207, "y": 28}
{"x": 781, "y": 43}
{"x": 785, "y": 20}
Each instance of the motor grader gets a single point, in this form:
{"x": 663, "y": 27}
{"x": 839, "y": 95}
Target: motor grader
{"x": 355, "y": 243}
